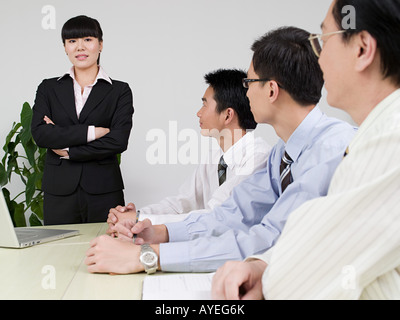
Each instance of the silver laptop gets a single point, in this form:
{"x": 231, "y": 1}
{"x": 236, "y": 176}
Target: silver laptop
{"x": 11, "y": 237}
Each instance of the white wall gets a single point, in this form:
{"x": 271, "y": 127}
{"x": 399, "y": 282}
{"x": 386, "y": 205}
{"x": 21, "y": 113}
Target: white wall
{"x": 162, "y": 48}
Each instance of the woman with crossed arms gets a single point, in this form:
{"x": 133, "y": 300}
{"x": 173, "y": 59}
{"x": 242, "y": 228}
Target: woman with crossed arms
{"x": 84, "y": 120}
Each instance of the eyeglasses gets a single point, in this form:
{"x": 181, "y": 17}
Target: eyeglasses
{"x": 317, "y": 43}
{"x": 246, "y": 82}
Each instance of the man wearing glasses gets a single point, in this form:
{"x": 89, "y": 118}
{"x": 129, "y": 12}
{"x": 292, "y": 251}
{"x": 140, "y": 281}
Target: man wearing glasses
{"x": 345, "y": 245}
{"x": 284, "y": 86}
{"x": 225, "y": 116}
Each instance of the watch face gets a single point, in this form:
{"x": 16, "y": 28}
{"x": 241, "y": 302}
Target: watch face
{"x": 148, "y": 258}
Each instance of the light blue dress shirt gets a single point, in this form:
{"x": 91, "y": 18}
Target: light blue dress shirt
{"x": 252, "y": 218}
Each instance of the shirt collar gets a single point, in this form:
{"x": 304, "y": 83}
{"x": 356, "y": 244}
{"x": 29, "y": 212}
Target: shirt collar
{"x": 235, "y": 153}
{"x": 375, "y": 114}
{"x": 100, "y": 75}
{"x": 300, "y": 136}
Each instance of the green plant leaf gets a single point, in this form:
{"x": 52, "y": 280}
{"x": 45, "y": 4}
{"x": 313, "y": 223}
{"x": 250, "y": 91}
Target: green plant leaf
{"x": 3, "y": 176}
{"x": 6, "y": 194}
{"x": 12, "y": 164}
{"x": 30, "y": 188}
{"x": 39, "y": 178}
{"x": 26, "y": 116}
{"x": 34, "y": 220}
{"x": 37, "y": 206}
{"x": 26, "y": 135}
{"x": 30, "y": 150}
{"x": 30, "y": 172}
{"x": 11, "y": 134}
{"x": 41, "y": 159}
{"x": 18, "y": 214}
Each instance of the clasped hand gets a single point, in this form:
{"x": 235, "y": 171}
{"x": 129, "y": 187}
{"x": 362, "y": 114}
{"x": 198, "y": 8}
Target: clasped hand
{"x": 122, "y": 224}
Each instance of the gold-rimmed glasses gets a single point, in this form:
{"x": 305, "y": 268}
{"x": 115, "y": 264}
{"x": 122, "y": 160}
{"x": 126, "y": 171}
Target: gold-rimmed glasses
{"x": 317, "y": 42}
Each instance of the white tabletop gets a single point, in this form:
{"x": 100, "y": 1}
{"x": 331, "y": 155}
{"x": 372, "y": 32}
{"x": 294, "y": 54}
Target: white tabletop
{"x": 56, "y": 270}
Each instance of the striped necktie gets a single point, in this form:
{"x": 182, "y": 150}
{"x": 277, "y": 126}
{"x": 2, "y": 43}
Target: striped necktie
{"x": 286, "y": 177}
{"x": 222, "y": 170}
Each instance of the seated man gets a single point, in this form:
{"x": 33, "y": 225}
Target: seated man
{"x": 344, "y": 245}
{"x": 284, "y": 85}
{"x": 225, "y": 116}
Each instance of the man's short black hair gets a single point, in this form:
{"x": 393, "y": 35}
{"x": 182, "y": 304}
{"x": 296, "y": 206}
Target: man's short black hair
{"x": 230, "y": 93}
{"x": 381, "y": 19}
{"x": 286, "y": 56}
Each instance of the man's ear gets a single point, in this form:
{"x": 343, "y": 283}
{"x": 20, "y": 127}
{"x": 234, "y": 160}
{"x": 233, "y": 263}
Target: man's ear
{"x": 272, "y": 90}
{"x": 229, "y": 115}
{"x": 366, "y": 50}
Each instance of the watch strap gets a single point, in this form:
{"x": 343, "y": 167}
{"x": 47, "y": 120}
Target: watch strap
{"x": 149, "y": 269}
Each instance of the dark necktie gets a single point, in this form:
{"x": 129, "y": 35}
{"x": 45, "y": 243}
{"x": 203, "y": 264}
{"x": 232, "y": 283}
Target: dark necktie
{"x": 222, "y": 170}
{"x": 286, "y": 177}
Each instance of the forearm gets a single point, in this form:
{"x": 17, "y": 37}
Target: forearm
{"x": 58, "y": 137}
{"x": 111, "y": 144}
{"x": 209, "y": 253}
{"x": 55, "y": 135}
{"x": 114, "y": 142}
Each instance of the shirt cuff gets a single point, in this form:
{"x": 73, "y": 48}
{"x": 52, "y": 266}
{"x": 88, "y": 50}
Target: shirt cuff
{"x": 177, "y": 232}
{"x": 91, "y": 134}
{"x": 266, "y": 257}
{"x": 174, "y": 257}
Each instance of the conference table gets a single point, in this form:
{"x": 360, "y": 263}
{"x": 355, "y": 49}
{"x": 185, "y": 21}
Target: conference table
{"x": 56, "y": 271}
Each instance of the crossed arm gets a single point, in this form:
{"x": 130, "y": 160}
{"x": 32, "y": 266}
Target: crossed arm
{"x": 99, "y": 132}
{"x": 111, "y": 138}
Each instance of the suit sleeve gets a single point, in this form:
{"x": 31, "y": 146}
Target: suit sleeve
{"x": 53, "y": 136}
{"x": 116, "y": 141}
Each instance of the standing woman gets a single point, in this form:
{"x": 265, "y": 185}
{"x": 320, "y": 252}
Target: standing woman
{"x": 84, "y": 120}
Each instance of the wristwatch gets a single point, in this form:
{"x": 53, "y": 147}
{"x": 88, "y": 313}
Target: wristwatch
{"x": 148, "y": 258}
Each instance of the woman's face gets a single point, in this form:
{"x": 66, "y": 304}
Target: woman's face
{"x": 83, "y": 52}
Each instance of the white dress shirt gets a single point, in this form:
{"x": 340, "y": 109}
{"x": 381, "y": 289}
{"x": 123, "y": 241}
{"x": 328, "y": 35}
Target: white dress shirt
{"x": 347, "y": 245}
{"x": 202, "y": 191}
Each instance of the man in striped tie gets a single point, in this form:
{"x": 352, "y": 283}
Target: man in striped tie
{"x": 345, "y": 245}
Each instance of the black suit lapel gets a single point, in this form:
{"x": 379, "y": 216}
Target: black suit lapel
{"x": 67, "y": 97}
{"x": 98, "y": 93}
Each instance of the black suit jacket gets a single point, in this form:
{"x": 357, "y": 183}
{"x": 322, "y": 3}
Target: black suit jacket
{"x": 93, "y": 165}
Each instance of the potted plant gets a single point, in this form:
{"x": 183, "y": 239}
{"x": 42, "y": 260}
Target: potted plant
{"x": 25, "y": 159}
